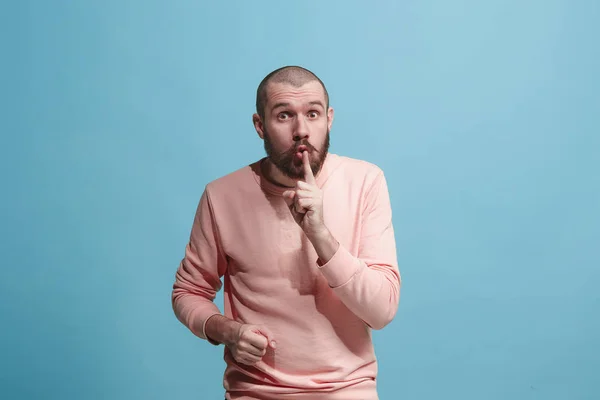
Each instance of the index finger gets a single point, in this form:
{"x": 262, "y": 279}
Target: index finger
{"x": 308, "y": 174}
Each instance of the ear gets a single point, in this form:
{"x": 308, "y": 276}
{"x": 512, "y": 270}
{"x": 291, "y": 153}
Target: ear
{"x": 258, "y": 125}
{"x": 329, "y": 118}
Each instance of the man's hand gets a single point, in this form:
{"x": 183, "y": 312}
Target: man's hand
{"x": 250, "y": 343}
{"x": 306, "y": 203}
{"x": 247, "y": 343}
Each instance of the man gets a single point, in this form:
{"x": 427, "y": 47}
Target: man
{"x": 305, "y": 243}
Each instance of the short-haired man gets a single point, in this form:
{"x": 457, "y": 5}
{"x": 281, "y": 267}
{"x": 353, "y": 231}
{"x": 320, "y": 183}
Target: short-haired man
{"x": 304, "y": 241}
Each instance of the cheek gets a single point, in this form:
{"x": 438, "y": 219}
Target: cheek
{"x": 320, "y": 130}
{"x": 279, "y": 135}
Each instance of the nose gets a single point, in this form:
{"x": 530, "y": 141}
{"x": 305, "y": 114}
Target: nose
{"x": 301, "y": 129}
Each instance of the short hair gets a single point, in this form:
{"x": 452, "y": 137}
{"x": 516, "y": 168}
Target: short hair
{"x": 292, "y": 75}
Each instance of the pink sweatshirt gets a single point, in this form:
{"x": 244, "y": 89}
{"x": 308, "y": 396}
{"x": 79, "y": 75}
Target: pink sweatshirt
{"x": 321, "y": 315}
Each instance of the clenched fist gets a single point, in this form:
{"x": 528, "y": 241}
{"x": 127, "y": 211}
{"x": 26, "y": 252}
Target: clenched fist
{"x": 250, "y": 343}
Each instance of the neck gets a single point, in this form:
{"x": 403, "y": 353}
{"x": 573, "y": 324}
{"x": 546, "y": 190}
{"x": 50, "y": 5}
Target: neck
{"x": 275, "y": 176}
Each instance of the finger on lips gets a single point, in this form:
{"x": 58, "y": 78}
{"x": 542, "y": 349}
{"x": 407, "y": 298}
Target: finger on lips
{"x": 308, "y": 174}
{"x": 304, "y": 189}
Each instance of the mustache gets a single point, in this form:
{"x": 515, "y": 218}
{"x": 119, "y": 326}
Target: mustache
{"x": 294, "y": 149}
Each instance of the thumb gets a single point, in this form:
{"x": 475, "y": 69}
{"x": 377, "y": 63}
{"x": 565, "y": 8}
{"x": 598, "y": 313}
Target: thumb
{"x": 288, "y": 196}
{"x": 266, "y": 332}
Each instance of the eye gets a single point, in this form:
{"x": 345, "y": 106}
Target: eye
{"x": 283, "y": 116}
{"x": 313, "y": 114}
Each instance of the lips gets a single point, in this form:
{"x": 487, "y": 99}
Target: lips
{"x": 302, "y": 148}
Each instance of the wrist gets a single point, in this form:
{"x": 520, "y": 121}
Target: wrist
{"x": 320, "y": 235}
{"x": 325, "y": 245}
{"x": 232, "y": 332}
{"x": 222, "y": 329}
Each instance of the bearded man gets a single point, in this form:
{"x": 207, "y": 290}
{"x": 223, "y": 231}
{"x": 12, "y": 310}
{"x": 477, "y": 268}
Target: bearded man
{"x": 304, "y": 243}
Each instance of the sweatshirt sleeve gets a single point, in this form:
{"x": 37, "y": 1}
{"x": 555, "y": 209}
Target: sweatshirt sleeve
{"x": 198, "y": 277}
{"x": 369, "y": 284}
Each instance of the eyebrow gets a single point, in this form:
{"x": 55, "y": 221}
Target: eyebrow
{"x": 312, "y": 103}
{"x": 316, "y": 103}
{"x": 277, "y": 105}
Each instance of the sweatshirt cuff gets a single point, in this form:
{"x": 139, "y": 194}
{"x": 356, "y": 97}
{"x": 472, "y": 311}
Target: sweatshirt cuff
{"x": 341, "y": 268}
{"x": 204, "y": 335}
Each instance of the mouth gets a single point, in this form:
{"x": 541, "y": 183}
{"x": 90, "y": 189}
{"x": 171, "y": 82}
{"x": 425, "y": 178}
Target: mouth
{"x": 299, "y": 153}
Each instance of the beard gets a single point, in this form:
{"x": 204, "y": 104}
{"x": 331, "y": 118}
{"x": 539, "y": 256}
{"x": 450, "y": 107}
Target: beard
{"x": 285, "y": 161}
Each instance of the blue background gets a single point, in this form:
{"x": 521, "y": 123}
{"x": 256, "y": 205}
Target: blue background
{"x": 483, "y": 115}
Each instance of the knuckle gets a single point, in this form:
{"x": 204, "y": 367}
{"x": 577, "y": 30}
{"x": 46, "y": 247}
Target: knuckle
{"x": 245, "y": 335}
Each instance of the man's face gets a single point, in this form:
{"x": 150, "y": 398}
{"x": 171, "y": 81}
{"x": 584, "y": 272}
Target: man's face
{"x": 296, "y": 119}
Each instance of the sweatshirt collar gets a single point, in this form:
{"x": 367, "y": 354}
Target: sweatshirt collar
{"x": 330, "y": 163}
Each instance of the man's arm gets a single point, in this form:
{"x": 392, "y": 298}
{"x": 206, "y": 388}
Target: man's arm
{"x": 369, "y": 284}
{"x": 198, "y": 277}
{"x": 220, "y": 329}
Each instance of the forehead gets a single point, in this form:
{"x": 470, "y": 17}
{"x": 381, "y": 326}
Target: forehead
{"x": 295, "y": 96}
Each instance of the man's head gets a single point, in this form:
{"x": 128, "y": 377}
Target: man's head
{"x": 293, "y": 113}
